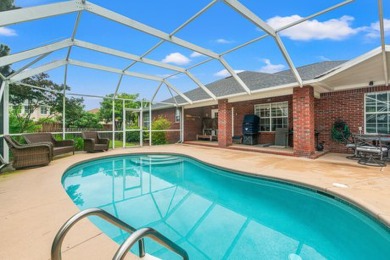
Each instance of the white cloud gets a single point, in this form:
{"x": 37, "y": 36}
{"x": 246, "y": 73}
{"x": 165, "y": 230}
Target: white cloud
{"x": 4, "y": 31}
{"x": 373, "y": 31}
{"x": 333, "y": 29}
{"x": 323, "y": 58}
{"x": 176, "y": 58}
{"x": 196, "y": 54}
{"x": 223, "y": 41}
{"x": 271, "y": 68}
{"x": 224, "y": 73}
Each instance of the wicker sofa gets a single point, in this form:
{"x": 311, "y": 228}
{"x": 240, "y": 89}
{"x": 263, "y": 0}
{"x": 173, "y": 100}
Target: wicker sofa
{"x": 58, "y": 147}
{"x": 93, "y": 142}
{"x": 28, "y": 155}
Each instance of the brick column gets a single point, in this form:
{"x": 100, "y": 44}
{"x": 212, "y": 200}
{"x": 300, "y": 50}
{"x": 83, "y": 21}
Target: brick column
{"x": 303, "y": 121}
{"x": 224, "y": 123}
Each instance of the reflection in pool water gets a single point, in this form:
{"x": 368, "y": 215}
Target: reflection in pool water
{"x": 214, "y": 214}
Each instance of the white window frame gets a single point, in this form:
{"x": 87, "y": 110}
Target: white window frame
{"x": 374, "y": 113}
{"x": 146, "y": 120}
{"x": 45, "y": 107}
{"x": 258, "y": 106}
{"x": 214, "y": 113}
{"x": 177, "y": 115}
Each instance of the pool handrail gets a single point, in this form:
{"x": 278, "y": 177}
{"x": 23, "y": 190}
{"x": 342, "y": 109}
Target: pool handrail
{"x": 59, "y": 238}
{"x": 153, "y": 234}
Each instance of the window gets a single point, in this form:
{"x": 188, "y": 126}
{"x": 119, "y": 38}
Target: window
{"x": 272, "y": 116}
{"x": 377, "y": 113}
{"x": 146, "y": 120}
{"x": 27, "y": 109}
{"x": 214, "y": 113}
{"x": 44, "y": 110}
{"x": 177, "y": 115}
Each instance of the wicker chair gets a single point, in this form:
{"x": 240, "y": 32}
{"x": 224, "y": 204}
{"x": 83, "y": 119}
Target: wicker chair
{"x": 29, "y": 155}
{"x": 59, "y": 147}
{"x": 3, "y": 163}
{"x": 93, "y": 142}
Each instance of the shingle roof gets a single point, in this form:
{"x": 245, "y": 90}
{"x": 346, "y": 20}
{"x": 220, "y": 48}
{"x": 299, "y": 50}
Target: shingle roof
{"x": 311, "y": 71}
{"x": 256, "y": 81}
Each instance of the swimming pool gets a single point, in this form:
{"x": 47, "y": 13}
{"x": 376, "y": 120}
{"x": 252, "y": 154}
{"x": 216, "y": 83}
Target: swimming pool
{"x": 216, "y": 214}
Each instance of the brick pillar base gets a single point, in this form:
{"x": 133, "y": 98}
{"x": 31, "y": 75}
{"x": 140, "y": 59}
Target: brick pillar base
{"x": 224, "y": 123}
{"x": 303, "y": 121}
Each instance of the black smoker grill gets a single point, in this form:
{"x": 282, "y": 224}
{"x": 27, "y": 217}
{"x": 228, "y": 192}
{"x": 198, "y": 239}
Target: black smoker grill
{"x": 250, "y": 129}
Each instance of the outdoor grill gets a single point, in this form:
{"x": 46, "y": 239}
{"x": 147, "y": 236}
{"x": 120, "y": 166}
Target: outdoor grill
{"x": 250, "y": 129}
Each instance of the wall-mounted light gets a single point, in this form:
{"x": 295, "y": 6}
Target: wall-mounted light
{"x": 371, "y": 83}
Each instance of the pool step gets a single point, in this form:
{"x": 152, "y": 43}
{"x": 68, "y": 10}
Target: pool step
{"x": 149, "y": 257}
{"x": 157, "y": 160}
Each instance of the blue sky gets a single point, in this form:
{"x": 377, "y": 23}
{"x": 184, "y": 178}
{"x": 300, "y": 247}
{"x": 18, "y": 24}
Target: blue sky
{"x": 341, "y": 34}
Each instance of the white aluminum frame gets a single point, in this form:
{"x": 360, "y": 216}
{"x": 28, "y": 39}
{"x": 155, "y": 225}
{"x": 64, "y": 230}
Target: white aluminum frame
{"x": 80, "y": 6}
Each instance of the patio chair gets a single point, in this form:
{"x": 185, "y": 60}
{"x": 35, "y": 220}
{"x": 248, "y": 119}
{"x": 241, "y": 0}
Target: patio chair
{"x": 352, "y": 145}
{"x": 281, "y": 137}
{"x": 28, "y": 155}
{"x": 93, "y": 142}
{"x": 209, "y": 129}
{"x": 371, "y": 150}
{"x": 58, "y": 146}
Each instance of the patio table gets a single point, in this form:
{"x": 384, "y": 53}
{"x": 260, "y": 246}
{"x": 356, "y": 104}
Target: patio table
{"x": 368, "y": 146}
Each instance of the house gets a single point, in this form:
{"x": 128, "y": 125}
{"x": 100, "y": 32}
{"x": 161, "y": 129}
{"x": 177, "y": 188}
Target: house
{"x": 354, "y": 91}
{"x": 94, "y": 111}
{"x": 43, "y": 111}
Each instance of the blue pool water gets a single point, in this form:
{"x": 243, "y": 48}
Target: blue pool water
{"x": 215, "y": 214}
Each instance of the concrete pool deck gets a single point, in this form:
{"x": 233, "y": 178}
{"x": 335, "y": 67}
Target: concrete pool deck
{"x": 34, "y": 204}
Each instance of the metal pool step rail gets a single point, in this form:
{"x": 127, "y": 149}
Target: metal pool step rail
{"x": 136, "y": 235}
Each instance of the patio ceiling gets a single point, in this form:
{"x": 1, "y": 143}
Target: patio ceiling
{"x": 367, "y": 70}
{"x": 69, "y": 47}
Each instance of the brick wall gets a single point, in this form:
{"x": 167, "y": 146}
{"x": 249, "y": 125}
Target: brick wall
{"x": 247, "y": 107}
{"x": 224, "y": 123}
{"x": 169, "y": 114}
{"x": 303, "y": 120}
{"x": 193, "y": 117}
{"x": 346, "y": 105}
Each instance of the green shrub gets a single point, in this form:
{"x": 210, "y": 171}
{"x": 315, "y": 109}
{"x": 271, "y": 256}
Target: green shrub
{"x": 78, "y": 143}
{"x": 133, "y": 137}
{"x": 19, "y": 124}
{"x": 160, "y": 123}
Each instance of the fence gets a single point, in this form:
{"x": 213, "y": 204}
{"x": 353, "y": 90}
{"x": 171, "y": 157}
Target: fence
{"x": 57, "y": 127}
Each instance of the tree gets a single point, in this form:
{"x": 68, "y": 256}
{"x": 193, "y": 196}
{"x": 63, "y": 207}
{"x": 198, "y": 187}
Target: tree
{"x": 4, "y": 51}
{"x": 74, "y": 108}
{"x": 48, "y": 94}
{"x": 31, "y": 98}
{"x": 18, "y": 126}
{"x": 105, "y": 111}
{"x": 7, "y": 5}
{"x": 88, "y": 120}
